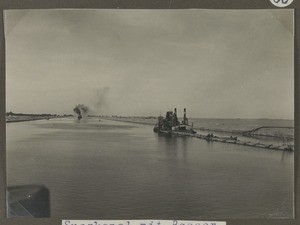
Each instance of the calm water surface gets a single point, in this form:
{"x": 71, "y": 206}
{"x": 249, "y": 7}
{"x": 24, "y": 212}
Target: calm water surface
{"x": 118, "y": 170}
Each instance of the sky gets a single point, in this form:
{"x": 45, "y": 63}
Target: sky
{"x": 215, "y": 63}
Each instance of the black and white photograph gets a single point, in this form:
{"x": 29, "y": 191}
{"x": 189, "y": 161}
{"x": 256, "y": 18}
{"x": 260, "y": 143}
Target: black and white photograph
{"x": 150, "y": 113}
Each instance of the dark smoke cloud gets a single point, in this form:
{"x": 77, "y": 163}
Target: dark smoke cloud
{"x": 81, "y": 109}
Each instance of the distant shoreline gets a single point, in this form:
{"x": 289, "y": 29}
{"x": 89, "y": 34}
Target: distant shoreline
{"x": 24, "y": 120}
{"x": 120, "y": 119}
{"x": 15, "y": 119}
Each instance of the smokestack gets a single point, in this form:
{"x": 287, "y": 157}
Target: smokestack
{"x": 184, "y": 115}
{"x": 175, "y": 111}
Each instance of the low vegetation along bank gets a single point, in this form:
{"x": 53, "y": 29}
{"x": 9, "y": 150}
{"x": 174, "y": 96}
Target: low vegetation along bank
{"x": 20, "y": 117}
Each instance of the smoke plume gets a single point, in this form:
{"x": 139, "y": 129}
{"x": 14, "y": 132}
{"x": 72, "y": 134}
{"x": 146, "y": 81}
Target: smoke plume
{"x": 101, "y": 97}
{"x": 81, "y": 110}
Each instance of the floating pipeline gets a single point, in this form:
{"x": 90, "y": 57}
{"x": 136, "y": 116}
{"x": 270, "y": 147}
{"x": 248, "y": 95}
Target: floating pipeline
{"x": 233, "y": 140}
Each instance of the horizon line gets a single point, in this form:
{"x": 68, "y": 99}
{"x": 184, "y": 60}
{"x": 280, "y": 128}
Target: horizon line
{"x": 241, "y": 118}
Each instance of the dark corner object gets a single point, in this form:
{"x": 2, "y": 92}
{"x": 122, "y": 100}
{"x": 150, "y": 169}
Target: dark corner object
{"x": 28, "y": 201}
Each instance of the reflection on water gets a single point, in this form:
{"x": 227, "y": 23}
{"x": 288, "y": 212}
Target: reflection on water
{"x": 117, "y": 170}
{"x": 173, "y": 146}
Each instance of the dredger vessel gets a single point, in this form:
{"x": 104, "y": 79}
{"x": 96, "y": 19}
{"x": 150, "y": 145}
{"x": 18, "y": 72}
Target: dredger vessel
{"x": 170, "y": 124}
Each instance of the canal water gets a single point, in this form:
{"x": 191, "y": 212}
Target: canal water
{"x": 117, "y": 170}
